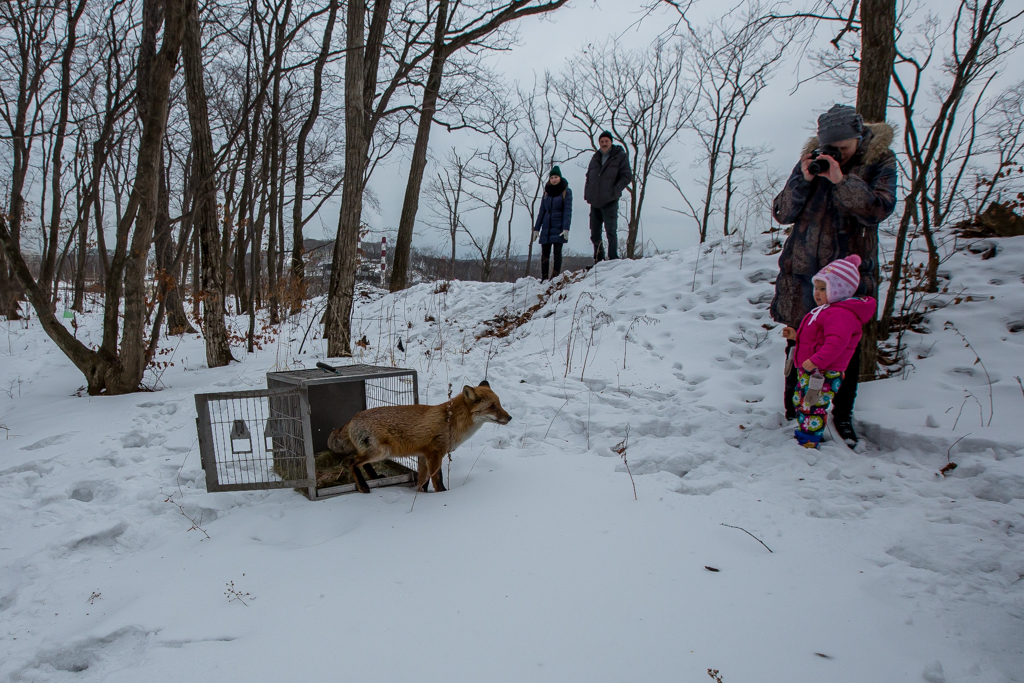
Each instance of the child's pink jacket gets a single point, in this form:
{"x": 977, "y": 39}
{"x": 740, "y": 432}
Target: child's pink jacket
{"x": 828, "y": 335}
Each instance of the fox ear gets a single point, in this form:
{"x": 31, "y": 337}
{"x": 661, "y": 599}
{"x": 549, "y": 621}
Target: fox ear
{"x": 468, "y": 392}
{"x": 485, "y": 383}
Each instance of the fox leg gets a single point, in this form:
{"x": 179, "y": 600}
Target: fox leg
{"x": 370, "y": 472}
{"x": 373, "y": 453}
{"x": 422, "y": 473}
{"x": 361, "y": 485}
{"x": 434, "y": 461}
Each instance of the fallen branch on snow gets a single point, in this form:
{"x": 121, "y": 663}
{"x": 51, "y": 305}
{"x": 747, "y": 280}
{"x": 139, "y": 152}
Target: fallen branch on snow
{"x": 749, "y": 534}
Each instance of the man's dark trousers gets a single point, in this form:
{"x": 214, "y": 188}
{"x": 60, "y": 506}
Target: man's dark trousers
{"x": 609, "y": 216}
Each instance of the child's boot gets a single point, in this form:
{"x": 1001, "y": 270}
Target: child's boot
{"x": 807, "y": 440}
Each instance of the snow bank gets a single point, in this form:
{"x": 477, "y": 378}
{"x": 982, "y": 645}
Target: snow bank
{"x": 538, "y": 564}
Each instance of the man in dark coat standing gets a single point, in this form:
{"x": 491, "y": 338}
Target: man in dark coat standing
{"x": 607, "y": 176}
{"x": 834, "y": 213}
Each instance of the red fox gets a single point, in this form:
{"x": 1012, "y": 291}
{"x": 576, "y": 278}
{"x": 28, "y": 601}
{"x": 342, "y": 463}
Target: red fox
{"x": 428, "y": 431}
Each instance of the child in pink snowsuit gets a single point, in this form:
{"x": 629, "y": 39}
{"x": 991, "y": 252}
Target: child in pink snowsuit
{"x": 825, "y": 343}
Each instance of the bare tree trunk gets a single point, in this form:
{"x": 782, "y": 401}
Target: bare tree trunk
{"x": 878, "y": 52}
{"x": 50, "y": 257}
{"x": 245, "y": 199}
{"x": 204, "y": 211}
{"x": 133, "y": 351}
{"x": 168, "y": 266}
{"x": 411, "y": 204}
{"x": 298, "y": 270}
{"x": 275, "y": 231}
{"x": 81, "y": 263}
{"x": 360, "y": 85}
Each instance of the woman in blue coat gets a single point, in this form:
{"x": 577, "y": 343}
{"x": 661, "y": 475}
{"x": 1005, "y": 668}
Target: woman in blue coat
{"x": 553, "y": 220}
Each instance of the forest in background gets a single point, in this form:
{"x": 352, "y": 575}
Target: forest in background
{"x": 167, "y": 156}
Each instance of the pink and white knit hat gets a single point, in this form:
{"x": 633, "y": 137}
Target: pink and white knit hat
{"x": 841, "y": 278}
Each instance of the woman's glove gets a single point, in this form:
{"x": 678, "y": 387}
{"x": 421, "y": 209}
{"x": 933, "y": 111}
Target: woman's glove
{"x": 536, "y": 235}
{"x": 565, "y": 235}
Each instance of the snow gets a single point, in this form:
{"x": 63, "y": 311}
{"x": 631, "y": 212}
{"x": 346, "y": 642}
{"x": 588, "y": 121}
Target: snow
{"x": 538, "y": 564}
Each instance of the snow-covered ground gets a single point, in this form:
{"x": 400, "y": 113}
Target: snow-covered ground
{"x": 538, "y": 564}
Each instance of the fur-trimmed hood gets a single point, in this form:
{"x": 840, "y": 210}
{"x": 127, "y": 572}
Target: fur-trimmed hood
{"x": 876, "y": 142}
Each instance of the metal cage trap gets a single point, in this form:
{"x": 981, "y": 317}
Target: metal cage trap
{"x": 269, "y": 438}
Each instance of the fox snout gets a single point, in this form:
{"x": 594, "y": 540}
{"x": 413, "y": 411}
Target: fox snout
{"x": 496, "y": 414}
{"x": 486, "y": 403}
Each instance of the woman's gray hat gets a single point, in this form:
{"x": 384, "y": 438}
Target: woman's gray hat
{"x": 841, "y": 122}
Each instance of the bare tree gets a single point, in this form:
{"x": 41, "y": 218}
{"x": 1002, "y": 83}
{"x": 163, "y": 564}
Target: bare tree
{"x": 459, "y": 24}
{"x": 492, "y": 178}
{"x": 1002, "y": 127}
{"x": 298, "y": 288}
{"x": 368, "y": 103}
{"x": 731, "y": 61}
{"x": 118, "y": 367}
{"x": 30, "y": 50}
{"x": 447, "y": 194}
{"x": 641, "y": 96}
{"x": 980, "y": 39}
{"x": 218, "y": 349}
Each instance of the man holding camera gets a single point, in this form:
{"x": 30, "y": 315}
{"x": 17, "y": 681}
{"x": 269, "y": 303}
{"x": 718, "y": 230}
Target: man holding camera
{"x": 843, "y": 186}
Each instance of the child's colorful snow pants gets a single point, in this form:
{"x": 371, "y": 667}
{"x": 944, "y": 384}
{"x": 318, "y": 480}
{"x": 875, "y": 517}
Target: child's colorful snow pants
{"x": 812, "y": 418}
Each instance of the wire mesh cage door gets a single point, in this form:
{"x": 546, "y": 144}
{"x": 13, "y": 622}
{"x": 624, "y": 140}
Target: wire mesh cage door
{"x": 259, "y": 439}
{"x": 394, "y": 390}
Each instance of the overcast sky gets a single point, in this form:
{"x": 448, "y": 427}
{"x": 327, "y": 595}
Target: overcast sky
{"x": 781, "y": 118}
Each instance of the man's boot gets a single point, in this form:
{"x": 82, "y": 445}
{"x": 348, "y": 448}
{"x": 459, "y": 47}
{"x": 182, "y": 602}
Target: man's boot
{"x": 598, "y": 252}
{"x": 844, "y": 425}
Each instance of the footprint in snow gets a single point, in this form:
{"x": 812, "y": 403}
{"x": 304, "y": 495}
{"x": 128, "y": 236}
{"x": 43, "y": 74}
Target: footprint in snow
{"x": 49, "y": 441}
{"x": 83, "y": 494}
{"x": 123, "y": 645}
{"x": 106, "y": 538}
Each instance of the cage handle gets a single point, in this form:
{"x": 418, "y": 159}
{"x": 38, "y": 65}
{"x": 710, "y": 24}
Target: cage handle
{"x": 327, "y": 368}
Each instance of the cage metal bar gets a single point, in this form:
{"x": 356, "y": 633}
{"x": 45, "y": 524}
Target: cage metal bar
{"x": 393, "y": 390}
{"x": 281, "y": 460}
{"x": 280, "y": 425}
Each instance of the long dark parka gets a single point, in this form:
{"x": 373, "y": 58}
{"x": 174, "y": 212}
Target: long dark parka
{"x": 833, "y": 221}
{"x": 555, "y": 213}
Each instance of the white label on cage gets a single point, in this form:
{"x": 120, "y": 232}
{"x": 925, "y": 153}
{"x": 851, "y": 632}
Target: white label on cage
{"x": 241, "y": 439}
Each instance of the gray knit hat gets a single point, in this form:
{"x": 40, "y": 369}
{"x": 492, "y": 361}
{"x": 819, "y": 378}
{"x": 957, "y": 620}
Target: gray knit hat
{"x": 841, "y": 122}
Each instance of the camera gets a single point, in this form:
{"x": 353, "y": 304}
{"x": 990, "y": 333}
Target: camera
{"x": 819, "y": 166}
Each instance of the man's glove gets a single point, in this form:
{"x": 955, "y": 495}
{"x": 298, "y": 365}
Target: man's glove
{"x": 565, "y": 235}
{"x": 536, "y": 235}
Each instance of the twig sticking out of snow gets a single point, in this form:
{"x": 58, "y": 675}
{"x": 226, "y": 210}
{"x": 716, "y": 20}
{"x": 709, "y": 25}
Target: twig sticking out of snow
{"x": 978, "y": 361}
{"x": 196, "y": 526}
{"x": 470, "y": 469}
{"x": 646, "y": 320}
{"x": 749, "y": 534}
{"x": 620, "y": 448}
{"x": 234, "y": 594}
{"x": 950, "y": 465}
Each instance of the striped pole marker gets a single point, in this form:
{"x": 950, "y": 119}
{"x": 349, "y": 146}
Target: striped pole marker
{"x": 383, "y": 258}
